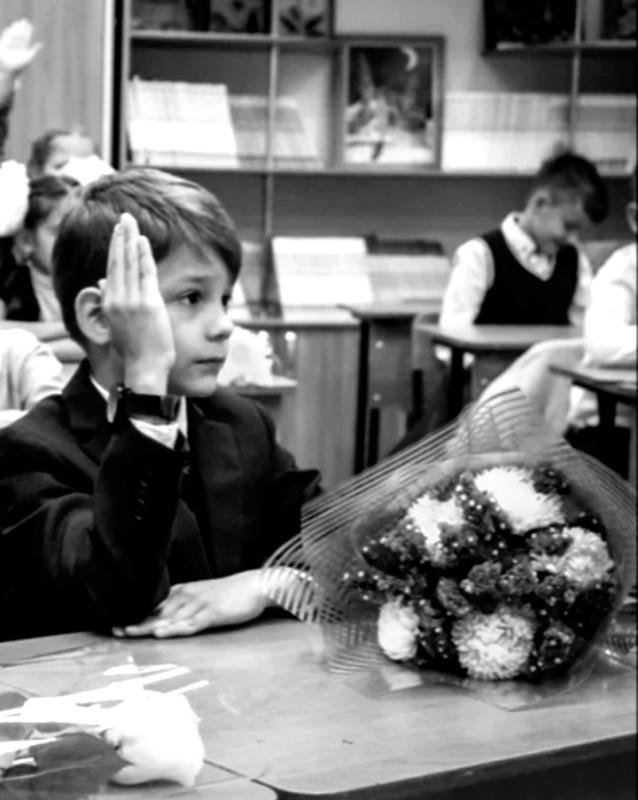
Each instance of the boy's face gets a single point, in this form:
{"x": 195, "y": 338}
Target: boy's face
{"x": 196, "y": 289}
{"x": 554, "y": 220}
{"x": 37, "y": 245}
{"x": 63, "y": 147}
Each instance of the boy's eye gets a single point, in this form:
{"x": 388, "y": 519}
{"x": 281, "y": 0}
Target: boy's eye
{"x": 190, "y": 298}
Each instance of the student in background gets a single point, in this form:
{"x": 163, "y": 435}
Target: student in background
{"x": 66, "y": 152}
{"x": 530, "y": 271}
{"x": 28, "y": 372}
{"x": 26, "y": 290}
{"x": 98, "y": 529}
{"x": 609, "y": 341}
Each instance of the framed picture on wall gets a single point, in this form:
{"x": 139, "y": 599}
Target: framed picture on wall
{"x": 392, "y": 108}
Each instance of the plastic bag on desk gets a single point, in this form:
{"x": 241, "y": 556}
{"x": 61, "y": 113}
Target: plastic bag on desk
{"x": 71, "y": 722}
{"x": 490, "y": 555}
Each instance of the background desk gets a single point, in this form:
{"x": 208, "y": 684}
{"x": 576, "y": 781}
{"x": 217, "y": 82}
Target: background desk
{"x": 611, "y": 386}
{"x": 494, "y": 348}
{"x": 274, "y": 714}
{"x": 384, "y": 372}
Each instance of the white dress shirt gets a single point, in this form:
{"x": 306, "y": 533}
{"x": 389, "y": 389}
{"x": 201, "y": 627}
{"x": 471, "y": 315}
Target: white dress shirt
{"x": 609, "y": 329}
{"x": 473, "y": 274}
{"x": 29, "y": 371}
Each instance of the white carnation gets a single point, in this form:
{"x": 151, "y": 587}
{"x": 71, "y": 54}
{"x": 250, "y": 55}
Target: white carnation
{"x": 586, "y": 560}
{"x": 427, "y": 514}
{"x": 511, "y": 488}
{"x": 493, "y": 646}
{"x": 397, "y": 628}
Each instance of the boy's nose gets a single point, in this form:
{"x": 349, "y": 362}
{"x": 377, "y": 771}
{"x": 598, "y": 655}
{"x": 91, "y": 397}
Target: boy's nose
{"x": 219, "y": 326}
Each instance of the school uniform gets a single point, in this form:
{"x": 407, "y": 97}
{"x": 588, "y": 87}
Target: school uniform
{"x": 95, "y": 523}
{"x": 501, "y": 278}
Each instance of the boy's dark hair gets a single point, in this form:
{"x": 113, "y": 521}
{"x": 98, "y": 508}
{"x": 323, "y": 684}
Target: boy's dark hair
{"x": 170, "y": 211}
{"x": 569, "y": 172}
{"x": 44, "y": 194}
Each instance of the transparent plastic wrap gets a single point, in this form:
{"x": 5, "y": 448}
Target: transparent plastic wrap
{"x": 71, "y": 723}
{"x": 490, "y": 555}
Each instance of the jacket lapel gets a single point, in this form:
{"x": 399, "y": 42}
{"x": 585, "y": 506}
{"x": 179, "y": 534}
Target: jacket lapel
{"x": 87, "y": 413}
{"x": 87, "y": 419}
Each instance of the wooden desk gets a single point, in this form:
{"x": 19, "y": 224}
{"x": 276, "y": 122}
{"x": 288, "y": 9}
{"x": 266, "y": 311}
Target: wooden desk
{"x": 611, "y": 386}
{"x": 384, "y": 369}
{"x": 274, "y": 718}
{"x": 494, "y": 348}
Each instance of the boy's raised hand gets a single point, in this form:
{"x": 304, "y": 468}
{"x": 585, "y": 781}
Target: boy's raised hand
{"x": 139, "y": 324}
{"x": 17, "y": 50}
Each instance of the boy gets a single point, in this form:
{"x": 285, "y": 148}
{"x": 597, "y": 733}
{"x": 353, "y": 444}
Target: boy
{"x": 95, "y": 530}
{"x": 609, "y": 341}
{"x": 529, "y": 271}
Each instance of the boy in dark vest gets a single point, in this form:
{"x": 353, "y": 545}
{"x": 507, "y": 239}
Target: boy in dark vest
{"x": 530, "y": 271}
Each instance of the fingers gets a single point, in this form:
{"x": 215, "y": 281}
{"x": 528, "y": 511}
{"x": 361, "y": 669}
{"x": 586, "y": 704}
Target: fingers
{"x": 115, "y": 264}
{"x": 131, "y": 271}
{"x": 131, "y": 257}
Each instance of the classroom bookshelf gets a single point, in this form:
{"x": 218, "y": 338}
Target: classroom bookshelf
{"x": 278, "y": 166}
{"x": 280, "y": 96}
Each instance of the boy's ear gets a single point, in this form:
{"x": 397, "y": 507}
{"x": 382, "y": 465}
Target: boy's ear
{"x": 90, "y": 316}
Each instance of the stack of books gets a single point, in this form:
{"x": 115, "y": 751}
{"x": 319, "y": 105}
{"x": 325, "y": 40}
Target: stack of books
{"x": 180, "y": 124}
{"x": 292, "y": 147}
{"x": 201, "y": 125}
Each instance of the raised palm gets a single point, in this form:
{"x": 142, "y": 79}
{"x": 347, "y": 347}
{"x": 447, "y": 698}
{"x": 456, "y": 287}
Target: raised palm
{"x": 17, "y": 50}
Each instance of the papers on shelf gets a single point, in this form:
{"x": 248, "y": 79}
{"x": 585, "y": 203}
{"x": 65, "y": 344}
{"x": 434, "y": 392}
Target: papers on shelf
{"x": 180, "y": 124}
{"x": 199, "y": 125}
{"x": 517, "y": 130}
{"x": 292, "y": 145}
{"x": 326, "y": 271}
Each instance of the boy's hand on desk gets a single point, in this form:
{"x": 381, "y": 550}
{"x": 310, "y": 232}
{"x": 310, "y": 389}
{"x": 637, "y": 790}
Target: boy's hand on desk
{"x": 139, "y": 324}
{"x": 195, "y": 606}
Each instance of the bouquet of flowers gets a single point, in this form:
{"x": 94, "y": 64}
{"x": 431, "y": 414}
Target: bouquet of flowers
{"x": 490, "y": 551}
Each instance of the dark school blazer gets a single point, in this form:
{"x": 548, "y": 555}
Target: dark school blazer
{"x": 93, "y": 530}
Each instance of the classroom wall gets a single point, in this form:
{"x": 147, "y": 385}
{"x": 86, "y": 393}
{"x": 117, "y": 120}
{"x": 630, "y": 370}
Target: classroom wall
{"x": 65, "y": 85}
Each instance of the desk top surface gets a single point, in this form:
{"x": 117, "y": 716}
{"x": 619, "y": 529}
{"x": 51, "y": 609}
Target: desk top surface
{"x": 619, "y": 383}
{"x": 272, "y": 713}
{"x": 404, "y": 310}
{"x": 497, "y": 338}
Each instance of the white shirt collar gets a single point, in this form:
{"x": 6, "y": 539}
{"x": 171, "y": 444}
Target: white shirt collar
{"x": 524, "y": 248}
